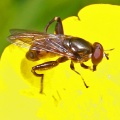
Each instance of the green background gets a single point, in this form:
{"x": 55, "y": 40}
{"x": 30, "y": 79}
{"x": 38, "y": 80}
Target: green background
{"x": 35, "y": 14}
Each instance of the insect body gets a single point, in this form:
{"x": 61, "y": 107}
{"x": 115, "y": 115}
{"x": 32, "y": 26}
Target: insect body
{"x": 67, "y": 47}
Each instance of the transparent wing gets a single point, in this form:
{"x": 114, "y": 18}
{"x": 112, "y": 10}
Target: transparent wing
{"x": 24, "y": 38}
{"x": 17, "y": 31}
{"x": 53, "y": 43}
{"x": 40, "y": 41}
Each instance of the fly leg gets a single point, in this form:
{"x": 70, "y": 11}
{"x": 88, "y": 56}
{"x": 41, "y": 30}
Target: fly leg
{"x": 46, "y": 66}
{"x": 85, "y": 66}
{"x": 88, "y": 67}
{"x": 58, "y": 27}
{"x": 73, "y": 68}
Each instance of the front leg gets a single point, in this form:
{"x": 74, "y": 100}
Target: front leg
{"x": 85, "y": 66}
{"x": 46, "y": 66}
{"x": 88, "y": 67}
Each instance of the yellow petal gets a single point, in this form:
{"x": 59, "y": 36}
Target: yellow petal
{"x": 66, "y": 97}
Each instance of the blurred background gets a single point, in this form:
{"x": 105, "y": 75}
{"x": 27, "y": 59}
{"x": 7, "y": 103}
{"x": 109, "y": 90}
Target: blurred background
{"x": 35, "y": 14}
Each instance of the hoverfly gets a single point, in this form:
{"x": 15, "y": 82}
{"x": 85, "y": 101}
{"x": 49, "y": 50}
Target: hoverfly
{"x": 67, "y": 47}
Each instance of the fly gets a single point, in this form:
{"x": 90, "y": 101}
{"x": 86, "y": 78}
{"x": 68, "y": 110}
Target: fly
{"x": 41, "y": 44}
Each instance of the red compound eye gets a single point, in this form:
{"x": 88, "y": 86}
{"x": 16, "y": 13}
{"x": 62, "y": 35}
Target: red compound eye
{"x": 97, "y": 54}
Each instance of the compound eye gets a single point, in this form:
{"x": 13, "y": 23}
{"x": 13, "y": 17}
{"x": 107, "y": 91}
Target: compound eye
{"x": 97, "y": 54}
{"x": 32, "y": 55}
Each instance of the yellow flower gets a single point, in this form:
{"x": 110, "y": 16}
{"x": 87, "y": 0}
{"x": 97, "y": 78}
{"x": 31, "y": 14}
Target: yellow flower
{"x": 66, "y": 97}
